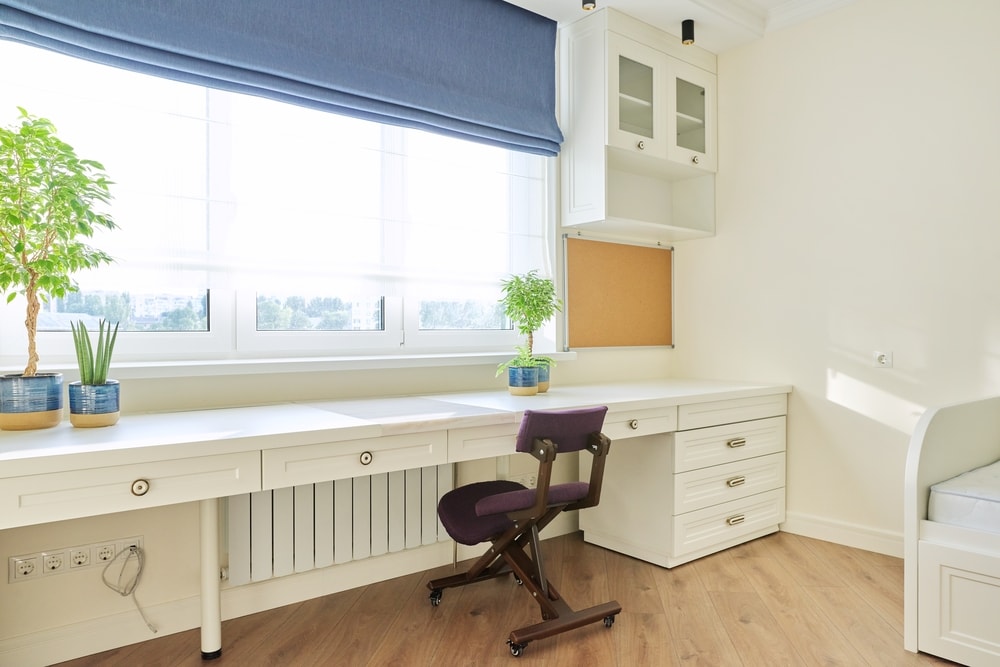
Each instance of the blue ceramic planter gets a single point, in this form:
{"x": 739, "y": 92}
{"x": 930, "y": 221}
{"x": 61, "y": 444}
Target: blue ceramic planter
{"x": 30, "y": 402}
{"x": 93, "y": 405}
{"x": 543, "y": 378}
{"x": 522, "y": 380}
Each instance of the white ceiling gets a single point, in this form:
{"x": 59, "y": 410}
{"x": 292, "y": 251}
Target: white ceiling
{"x": 719, "y": 24}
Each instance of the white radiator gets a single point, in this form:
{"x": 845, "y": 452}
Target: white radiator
{"x": 280, "y": 532}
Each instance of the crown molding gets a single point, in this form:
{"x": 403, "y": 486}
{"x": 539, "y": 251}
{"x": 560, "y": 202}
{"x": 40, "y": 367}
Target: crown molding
{"x": 796, "y": 11}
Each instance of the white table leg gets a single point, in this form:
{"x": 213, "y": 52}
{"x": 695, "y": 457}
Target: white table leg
{"x": 211, "y": 603}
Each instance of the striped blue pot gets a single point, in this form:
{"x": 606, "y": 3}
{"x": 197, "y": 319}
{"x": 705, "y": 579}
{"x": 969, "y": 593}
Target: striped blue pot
{"x": 92, "y": 405}
{"x": 543, "y": 378}
{"x": 522, "y": 380}
{"x": 30, "y": 402}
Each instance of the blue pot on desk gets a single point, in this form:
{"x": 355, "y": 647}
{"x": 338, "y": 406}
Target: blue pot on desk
{"x": 522, "y": 380}
{"x": 94, "y": 405}
{"x": 30, "y": 402}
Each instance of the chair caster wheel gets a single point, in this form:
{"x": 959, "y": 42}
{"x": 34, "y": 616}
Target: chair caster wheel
{"x": 435, "y": 597}
{"x": 609, "y": 621}
{"x": 516, "y": 649}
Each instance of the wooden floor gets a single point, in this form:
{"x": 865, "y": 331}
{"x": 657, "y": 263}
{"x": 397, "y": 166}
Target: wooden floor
{"x": 780, "y": 600}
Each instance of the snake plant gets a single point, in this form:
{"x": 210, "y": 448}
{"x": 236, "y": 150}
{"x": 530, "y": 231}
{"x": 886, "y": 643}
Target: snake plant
{"x": 94, "y": 364}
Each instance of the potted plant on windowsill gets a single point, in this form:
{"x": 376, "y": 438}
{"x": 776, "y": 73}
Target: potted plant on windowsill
{"x": 529, "y": 301}
{"x": 49, "y": 200}
{"x": 94, "y": 400}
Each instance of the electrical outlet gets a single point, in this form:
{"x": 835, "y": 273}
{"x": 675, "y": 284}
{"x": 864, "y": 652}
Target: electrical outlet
{"x": 79, "y": 557}
{"x": 528, "y": 479}
{"x": 64, "y": 559}
{"x": 53, "y": 561}
{"x": 104, "y": 552}
{"x": 23, "y": 567}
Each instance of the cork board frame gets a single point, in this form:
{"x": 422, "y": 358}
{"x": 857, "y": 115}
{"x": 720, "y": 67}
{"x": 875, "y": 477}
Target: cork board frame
{"x": 618, "y": 294}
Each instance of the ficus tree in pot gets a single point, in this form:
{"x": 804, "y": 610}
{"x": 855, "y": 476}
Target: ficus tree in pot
{"x": 51, "y": 200}
{"x": 529, "y": 301}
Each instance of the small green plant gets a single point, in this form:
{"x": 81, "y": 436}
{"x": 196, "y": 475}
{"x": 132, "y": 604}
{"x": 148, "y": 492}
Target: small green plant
{"x": 529, "y": 301}
{"x": 49, "y": 200}
{"x": 93, "y": 364}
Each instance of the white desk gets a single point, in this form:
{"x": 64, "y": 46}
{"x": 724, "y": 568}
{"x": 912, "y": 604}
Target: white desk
{"x": 65, "y": 473}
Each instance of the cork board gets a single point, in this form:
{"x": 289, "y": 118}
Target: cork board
{"x": 617, "y": 294}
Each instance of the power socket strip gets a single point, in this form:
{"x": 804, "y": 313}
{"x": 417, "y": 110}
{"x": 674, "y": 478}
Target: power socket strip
{"x": 28, "y": 567}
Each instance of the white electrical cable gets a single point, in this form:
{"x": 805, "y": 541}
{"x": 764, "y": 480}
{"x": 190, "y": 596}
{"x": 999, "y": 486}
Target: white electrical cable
{"x": 127, "y": 583}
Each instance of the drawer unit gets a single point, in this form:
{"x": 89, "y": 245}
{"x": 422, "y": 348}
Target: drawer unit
{"x": 32, "y": 499}
{"x": 478, "y": 442}
{"x": 715, "y": 480}
{"x": 635, "y": 423}
{"x": 697, "y": 489}
{"x": 307, "y": 464}
{"x": 715, "y": 445}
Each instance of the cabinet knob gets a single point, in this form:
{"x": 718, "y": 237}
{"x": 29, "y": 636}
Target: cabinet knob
{"x": 140, "y": 487}
{"x": 694, "y": 159}
{"x": 641, "y": 145}
{"x": 633, "y": 424}
{"x": 366, "y": 458}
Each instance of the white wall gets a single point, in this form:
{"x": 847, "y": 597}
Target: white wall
{"x": 857, "y": 211}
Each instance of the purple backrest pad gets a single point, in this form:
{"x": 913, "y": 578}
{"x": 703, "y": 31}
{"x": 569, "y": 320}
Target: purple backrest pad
{"x": 567, "y": 428}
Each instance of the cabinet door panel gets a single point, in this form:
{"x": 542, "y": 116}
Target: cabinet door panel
{"x": 636, "y": 118}
{"x": 691, "y": 120}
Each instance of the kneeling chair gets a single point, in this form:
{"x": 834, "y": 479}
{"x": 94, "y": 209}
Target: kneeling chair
{"x": 510, "y": 516}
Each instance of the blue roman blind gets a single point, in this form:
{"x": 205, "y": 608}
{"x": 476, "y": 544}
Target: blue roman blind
{"x": 479, "y": 69}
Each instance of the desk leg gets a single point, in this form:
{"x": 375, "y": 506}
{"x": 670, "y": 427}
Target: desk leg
{"x": 211, "y": 603}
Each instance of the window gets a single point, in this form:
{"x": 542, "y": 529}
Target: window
{"x": 250, "y": 228}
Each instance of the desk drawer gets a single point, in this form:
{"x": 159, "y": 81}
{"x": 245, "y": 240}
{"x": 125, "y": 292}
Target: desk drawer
{"x": 634, "y": 423}
{"x": 480, "y": 442}
{"x": 711, "y": 446}
{"x": 720, "y": 524}
{"x": 700, "y": 488}
{"x": 713, "y": 413}
{"x": 35, "y": 499}
{"x": 306, "y": 464}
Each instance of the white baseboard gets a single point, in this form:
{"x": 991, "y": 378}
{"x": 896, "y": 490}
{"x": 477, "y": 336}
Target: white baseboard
{"x": 841, "y": 532}
{"x": 107, "y": 632}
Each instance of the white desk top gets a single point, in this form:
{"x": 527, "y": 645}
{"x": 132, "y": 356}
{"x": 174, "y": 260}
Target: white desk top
{"x": 171, "y": 435}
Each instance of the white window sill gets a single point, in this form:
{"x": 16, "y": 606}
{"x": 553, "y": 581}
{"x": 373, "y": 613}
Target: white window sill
{"x": 175, "y": 369}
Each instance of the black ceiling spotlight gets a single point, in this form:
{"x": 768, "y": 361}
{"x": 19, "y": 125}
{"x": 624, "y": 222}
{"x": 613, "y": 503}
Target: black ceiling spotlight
{"x": 687, "y": 31}
{"x": 588, "y": 5}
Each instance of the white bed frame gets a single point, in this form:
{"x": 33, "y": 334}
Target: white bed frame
{"x": 952, "y": 574}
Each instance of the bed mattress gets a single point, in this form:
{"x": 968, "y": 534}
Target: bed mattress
{"x": 971, "y": 500}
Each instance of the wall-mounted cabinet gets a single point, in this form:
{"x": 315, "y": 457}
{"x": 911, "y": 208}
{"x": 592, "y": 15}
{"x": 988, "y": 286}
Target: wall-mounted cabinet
{"x": 640, "y": 151}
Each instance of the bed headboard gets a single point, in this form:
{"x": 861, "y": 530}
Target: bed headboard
{"x": 947, "y": 441}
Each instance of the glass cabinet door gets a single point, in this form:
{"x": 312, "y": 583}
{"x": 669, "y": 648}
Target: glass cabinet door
{"x": 691, "y": 123}
{"x": 636, "y": 96}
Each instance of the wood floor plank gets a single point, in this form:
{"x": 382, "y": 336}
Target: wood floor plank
{"x": 804, "y": 623}
{"x": 755, "y": 633}
{"x": 697, "y": 636}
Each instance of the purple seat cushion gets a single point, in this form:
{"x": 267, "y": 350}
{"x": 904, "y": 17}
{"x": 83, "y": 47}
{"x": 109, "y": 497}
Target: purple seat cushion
{"x": 457, "y": 511}
{"x": 520, "y": 499}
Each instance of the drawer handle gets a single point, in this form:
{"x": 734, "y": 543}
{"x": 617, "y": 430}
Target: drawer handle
{"x": 736, "y": 481}
{"x": 736, "y": 442}
{"x": 366, "y": 458}
{"x": 633, "y": 424}
{"x": 641, "y": 145}
{"x": 736, "y": 519}
{"x": 140, "y": 487}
